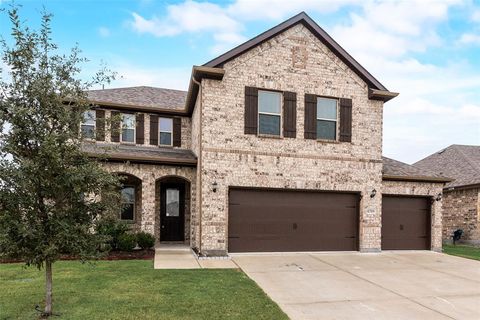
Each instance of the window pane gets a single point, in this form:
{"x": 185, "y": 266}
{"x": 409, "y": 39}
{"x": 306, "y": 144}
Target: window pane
{"x": 128, "y": 135}
{"x": 165, "y": 124}
{"x": 128, "y": 194}
{"x": 165, "y": 138}
{"x": 269, "y": 101}
{"x": 327, "y": 108}
{"x": 127, "y": 211}
{"x": 268, "y": 124}
{"x": 89, "y": 117}
{"x": 88, "y": 131}
{"x": 326, "y": 129}
{"x": 173, "y": 203}
{"x": 128, "y": 121}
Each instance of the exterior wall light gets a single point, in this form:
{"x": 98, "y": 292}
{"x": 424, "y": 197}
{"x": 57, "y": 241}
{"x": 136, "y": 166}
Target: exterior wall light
{"x": 438, "y": 197}
{"x": 373, "y": 193}
{"x": 214, "y": 186}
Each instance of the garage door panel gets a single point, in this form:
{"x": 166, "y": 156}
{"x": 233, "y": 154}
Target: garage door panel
{"x": 405, "y": 223}
{"x": 266, "y": 220}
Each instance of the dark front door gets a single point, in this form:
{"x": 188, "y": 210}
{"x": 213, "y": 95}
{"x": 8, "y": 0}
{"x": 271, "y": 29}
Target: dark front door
{"x": 405, "y": 223}
{"x": 280, "y": 220}
{"x": 172, "y": 212}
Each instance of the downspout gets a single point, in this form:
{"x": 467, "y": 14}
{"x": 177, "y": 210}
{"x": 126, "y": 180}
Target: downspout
{"x": 199, "y": 167}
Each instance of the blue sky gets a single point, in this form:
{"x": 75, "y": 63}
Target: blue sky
{"x": 429, "y": 51}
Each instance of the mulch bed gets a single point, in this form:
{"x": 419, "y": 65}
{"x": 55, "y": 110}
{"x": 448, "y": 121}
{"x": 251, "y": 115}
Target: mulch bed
{"x": 148, "y": 254}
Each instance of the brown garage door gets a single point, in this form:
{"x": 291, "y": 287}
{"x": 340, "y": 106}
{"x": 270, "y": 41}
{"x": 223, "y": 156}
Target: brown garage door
{"x": 405, "y": 223}
{"x": 275, "y": 221}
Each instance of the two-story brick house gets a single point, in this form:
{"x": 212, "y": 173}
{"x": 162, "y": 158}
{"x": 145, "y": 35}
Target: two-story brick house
{"x": 276, "y": 146}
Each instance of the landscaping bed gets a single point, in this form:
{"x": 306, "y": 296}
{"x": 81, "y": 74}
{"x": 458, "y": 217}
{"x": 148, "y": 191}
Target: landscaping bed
{"x": 133, "y": 290}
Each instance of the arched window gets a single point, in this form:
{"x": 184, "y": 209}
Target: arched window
{"x": 128, "y": 203}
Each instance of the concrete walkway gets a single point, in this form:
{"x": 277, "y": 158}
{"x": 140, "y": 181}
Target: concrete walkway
{"x": 388, "y": 285}
{"x": 180, "y": 256}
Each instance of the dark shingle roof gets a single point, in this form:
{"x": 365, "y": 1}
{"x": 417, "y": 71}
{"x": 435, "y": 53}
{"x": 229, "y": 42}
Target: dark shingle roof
{"x": 460, "y": 162}
{"x": 149, "y": 97}
{"x": 141, "y": 154}
{"x": 393, "y": 168}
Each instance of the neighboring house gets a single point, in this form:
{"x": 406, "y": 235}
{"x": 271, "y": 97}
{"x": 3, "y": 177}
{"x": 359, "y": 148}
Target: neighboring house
{"x": 461, "y": 197}
{"x": 276, "y": 146}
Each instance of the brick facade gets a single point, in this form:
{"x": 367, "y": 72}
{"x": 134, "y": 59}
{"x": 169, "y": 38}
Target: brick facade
{"x": 295, "y": 61}
{"x": 461, "y": 211}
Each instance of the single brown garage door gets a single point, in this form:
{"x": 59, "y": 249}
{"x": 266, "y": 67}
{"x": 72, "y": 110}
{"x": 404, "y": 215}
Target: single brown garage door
{"x": 276, "y": 221}
{"x": 405, "y": 223}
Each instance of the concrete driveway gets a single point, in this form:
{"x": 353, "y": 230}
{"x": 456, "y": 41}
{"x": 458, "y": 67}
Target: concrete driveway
{"x": 387, "y": 285}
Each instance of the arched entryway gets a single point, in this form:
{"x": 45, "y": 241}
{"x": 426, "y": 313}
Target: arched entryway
{"x": 172, "y": 207}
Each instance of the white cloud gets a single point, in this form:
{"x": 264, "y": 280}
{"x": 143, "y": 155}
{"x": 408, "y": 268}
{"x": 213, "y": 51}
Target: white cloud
{"x": 193, "y": 17}
{"x": 104, "y": 32}
{"x": 476, "y": 15}
{"x": 469, "y": 38}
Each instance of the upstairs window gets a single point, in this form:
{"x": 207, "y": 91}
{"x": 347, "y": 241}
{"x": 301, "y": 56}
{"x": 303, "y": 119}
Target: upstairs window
{"x": 165, "y": 129}
{"x": 88, "y": 124}
{"x": 128, "y": 203}
{"x": 326, "y": 118}
{"x": 269, "y": 112}
{"x": 128, "y": 127}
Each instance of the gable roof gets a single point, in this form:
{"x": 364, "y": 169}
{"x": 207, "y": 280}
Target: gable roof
{"x": 321, "y": 34}
{"x": 460, "y": 162}
{"x": 397, "y": 170}
{"x": 148, "y": 98}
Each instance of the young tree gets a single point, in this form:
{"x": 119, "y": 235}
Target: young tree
{"x": 51, "y": 193}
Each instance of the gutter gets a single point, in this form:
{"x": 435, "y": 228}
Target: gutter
{"x": 464, "y": 187}
{"x": 382, "y": 95}
{"x": 387, "y": 177}
{"x": 198, "y": 74}
{"x": 121, "y": 157}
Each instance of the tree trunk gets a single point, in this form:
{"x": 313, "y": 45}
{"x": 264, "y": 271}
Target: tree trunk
{"x": 48, "y": 287}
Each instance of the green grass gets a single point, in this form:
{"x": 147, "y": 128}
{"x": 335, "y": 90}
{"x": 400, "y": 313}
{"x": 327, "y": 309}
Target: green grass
{"x": 464, "y": 251}
{"x": 133, "y": 290}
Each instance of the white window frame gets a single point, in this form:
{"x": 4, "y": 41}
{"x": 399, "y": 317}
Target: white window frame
{"x": 280, "y": 114}
{"x": 134, "y": 128}
{"x": 160, "y": 131}
{"x": 94, "y": 124}
{"x": 325, "y": 119}
{"x": 134, "y": 202}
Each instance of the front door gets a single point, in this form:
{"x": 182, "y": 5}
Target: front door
{"x": 172, "y": 213}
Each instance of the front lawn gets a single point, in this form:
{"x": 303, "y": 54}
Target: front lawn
{"x": 134, "y": 290}
{"x": 464, "y": 251}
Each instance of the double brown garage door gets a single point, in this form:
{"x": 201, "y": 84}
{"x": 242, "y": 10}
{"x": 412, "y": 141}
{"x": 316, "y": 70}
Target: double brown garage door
{"x": 272, "y": 221}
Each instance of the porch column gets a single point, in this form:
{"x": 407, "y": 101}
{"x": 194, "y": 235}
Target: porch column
{"x": 148, "y": 204}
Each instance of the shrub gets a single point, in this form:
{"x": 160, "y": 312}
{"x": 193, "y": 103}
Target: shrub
{"x": 113, "y": 229}
{"x": 127, "y": 242}
{"x": 145, "y": 240}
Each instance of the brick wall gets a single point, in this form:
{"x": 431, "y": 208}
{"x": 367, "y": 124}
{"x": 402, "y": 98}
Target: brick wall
{"x": 148, "y": 218}
{"x": 461, "y": 211}
{"x": 231, "y": 158}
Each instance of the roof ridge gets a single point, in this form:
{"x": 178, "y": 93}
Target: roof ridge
{"x": 467, "y": 159}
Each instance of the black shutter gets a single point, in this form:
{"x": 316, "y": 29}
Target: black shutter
{"x": 251, "y": 110}
{"x": 289, "y": 114}
{"x": 177, "y": 132}
{"x": 115, "y": 126}
{"x": 310, "y": 116}
{"x": 345, "y": 120}
{"x": 154, "y": 130}
{"x": 140, "y": 128}
{"x": 100, "y": 125}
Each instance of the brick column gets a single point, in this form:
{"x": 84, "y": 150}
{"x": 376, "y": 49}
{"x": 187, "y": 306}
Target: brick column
{"x": 148, "y": 204}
